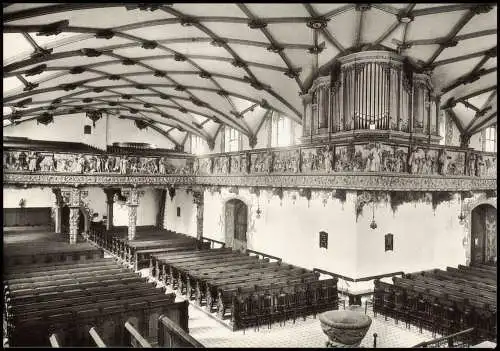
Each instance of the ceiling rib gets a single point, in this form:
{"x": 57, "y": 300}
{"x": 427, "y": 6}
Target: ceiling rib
{"x": 323, "y": 28}
{"x": 451, "y": 35}
{"x": 464, "y": 57}
{"x": 485, "y": 123}
{"x": 235, "y": 56}
{"x": 336, "y": 12}
{"x": 467, "y": 79}
{"x": 443, "y": 9}
{"x": 455, "y": 119}
{"x": 400, "y": 14}
{"x": 291, "y": 72}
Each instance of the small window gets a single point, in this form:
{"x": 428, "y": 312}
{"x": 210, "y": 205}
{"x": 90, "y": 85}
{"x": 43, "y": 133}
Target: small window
{"x": 197, "y": 145}
{"x": 389, "y": 242}
{"x": 87, "y": 129}
{"x": 323, "y": 239}
{"x": 232, "y": 140}
{"x": 281, "y": 130}
{"x": 490, "y": 139}
{"x": 178, "y": 211}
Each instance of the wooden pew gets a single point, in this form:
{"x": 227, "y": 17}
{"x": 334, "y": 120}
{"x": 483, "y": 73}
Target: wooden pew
{"x": 170, "y": 335}
{"x": 96, "y": 337}
{"x": 137, "y": 340}
{"x": 54, "y": 341}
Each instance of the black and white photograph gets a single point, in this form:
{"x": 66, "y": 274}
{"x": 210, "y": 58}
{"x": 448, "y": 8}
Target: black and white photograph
{"x": 249, "y": 175}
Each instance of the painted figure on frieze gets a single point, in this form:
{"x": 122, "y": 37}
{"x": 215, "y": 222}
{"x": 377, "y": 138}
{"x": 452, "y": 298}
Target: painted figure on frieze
{"x": 9, "y": 160}
{"x": 479, "y": 166}
{"x": 471, "y": 165}
{"x": 244, "y": 163}
{"x": 295, "y": 159}
{"x": 444, "y": 161}
{"x": 32, "y": 158}
{"x": 196, "y": 166}
{"x": 269, "y": 162}
{"x": 48, "y": 163}
{"x": 92, "y": 164}
{"x": 99, "y": 165}
{"x": 22, "y": 164}
{"x": 427, "y": 164}
{"x": 373, "y": 161}
{"x": 328, "y": 158}
{"x": 124, "y": 163}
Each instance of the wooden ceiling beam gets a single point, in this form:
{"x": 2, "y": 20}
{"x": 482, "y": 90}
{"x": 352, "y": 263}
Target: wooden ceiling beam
{"x": 484, "y": 123}
{"x": 455, "y": 119}
{"x": 443, "y": 9}
{"x": 465, "y": 57}
{"x": 451, "y": 35}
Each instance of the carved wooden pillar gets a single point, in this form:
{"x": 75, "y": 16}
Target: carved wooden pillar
{"x": 110, "y": 193}
{"x": 132, "y": 196}
{"x": 199, "y": 200}
{"x": 57, "y": 210}
{"x": 72, "y": 197}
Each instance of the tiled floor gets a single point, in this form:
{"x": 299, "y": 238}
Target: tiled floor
{"x": 306, "y": 333}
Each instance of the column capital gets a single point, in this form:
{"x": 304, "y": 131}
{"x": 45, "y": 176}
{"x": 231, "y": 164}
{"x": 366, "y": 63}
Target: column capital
{"x": 73, "y": 196}
{"x": 59, "y": 198}
{"x": 110, "y": 193}
{"x": 132, "y": 195}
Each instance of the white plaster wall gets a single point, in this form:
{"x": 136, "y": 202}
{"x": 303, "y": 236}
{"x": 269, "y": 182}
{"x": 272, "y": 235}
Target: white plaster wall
{"x": 146, "y": 211}
{"x": 186, "y": 223}
{"x": 34, "y": 197}
{"x": 423, "y": 239}
{"x": 291, "y": 231}
{"x": 475, "y": 142}
{"x": 125, "y": 131}
{"x": 96, "y": 200}
{"x": 68, "y": 128}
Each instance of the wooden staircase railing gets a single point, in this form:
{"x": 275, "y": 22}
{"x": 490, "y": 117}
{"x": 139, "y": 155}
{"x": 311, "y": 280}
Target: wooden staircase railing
{"x": 464, "y": 338}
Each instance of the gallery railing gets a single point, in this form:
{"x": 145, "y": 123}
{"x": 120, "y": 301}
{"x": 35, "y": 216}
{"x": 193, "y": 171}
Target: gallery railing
{"x": 379, "y": 157}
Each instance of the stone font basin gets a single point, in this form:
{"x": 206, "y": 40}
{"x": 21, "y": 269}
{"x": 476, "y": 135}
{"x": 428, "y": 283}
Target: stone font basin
{"x": 345, "y": 328}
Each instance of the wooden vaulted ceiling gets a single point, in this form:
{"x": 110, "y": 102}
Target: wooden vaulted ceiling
{"x": 194, "y": 67}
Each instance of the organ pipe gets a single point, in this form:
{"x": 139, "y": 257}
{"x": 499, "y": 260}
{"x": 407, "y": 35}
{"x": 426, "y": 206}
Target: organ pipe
{"x": 371, "y": 88}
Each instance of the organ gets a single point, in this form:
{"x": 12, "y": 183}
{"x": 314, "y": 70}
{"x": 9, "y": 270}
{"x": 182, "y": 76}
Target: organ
{"x": 371, "y": 93}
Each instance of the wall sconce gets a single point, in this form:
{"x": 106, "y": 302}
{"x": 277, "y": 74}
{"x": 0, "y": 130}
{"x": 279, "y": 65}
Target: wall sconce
{"x": 259, "y": 212}
{"x": 373, "y": 224}
{"x": 22, "y": 203}
{"x": 461, "y": 216}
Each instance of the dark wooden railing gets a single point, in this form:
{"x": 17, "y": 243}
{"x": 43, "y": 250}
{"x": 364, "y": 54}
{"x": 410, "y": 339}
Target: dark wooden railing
{"x": 96, "y": 337}
{"x": 464, "y": 338}
{"x": 136, "y": 339}
{"x": 213, "y": 242}
{"x": 264, "y": 255}
{"x": 170, "y": 335}
{"x": 54, "y": 341}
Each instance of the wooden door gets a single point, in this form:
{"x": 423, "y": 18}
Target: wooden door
{"x": 478, "y": 235}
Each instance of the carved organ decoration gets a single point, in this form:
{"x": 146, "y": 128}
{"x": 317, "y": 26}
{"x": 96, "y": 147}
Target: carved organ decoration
{"x": 370, "y": 90}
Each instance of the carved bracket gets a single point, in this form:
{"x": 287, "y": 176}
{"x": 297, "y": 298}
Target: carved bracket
{"x": 171, "y": 192}
{"x": 132, "y": 195}
{"x": 305, "y": 192}
{"x": 255, "y": 190}
{"x": 278, "y": 192}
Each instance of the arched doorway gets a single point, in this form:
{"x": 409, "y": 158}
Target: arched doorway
{"x": 236, "y": 224}
{"x": 82, "y": 221}
{"x": 483, "y": 235}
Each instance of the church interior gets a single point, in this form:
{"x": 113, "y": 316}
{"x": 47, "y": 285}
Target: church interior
{"x": 249, "y": 175}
